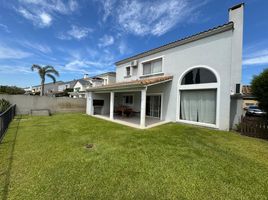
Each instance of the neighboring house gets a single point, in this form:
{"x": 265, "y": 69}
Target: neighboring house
{"x": 108, "y": 78}
{"x": 82, "y": 84}
{"x": 49, "y": 88}
{"x": 248, "y": 98}
{"x": 66, "y": 85}
{"x": 80, "y": 88}
{"x": 195, "y": 80}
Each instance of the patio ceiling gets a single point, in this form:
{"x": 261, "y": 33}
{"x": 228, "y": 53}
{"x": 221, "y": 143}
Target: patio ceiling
{"x": 135, "y": 84}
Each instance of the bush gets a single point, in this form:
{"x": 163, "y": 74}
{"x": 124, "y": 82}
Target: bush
{"x": 4, "y": 105}
{"x": 11, "y": 90}
{"x": 259, "y": 87}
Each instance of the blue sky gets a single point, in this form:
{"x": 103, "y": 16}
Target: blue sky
{"x": 88, "y": 36}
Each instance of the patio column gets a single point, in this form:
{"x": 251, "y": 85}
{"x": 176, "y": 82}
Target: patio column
{"x": 112, "y": 105}
{"x": 143, "y": 108}
{"x": 89, "y": 103}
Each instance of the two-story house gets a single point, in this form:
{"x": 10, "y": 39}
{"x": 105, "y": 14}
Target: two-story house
{"x": 193, "y": 80}
{"x": 49, "y": 88}
{"x": 81, "y": 85}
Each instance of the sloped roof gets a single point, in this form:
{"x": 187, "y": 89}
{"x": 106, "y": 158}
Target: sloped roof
{"x": 141, "y": 83}
{"x": 198, "y": 36}
{"x": 105, "y": 74}
{"x": 83, "y": 81}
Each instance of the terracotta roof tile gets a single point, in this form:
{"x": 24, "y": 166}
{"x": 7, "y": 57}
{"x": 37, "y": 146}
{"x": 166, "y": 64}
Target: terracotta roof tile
{"x": 133, "y": 84}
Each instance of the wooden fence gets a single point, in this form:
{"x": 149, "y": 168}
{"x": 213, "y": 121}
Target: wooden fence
{"x": 254, "y": 127}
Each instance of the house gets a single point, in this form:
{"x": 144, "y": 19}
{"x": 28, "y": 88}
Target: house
{"x": 80, "y": 88}
{"x": 66, "y": 85}
{"x": 82, "y": 84}
{"x": 194, "y": 80}
{"x": 49, "y": 88}
{"x": 248, "y": 98}
{"x": 108, "y": 78}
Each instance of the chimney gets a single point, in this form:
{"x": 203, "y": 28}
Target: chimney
{"x": 85, "y": 76}
{"x": 236, "y": 15}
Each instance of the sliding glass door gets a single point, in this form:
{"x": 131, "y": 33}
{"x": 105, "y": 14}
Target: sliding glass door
{"x": 153, "y": 106}
{"x": 198, "y": 105}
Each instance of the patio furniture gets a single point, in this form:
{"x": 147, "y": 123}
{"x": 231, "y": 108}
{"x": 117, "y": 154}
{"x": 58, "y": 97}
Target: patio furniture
{"x": 124, "y": 110}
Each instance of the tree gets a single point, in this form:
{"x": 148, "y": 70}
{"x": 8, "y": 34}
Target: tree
{"x": 11, "y": 90}
{"x": 48, "y": 71}
{"x": 259, "y": 86}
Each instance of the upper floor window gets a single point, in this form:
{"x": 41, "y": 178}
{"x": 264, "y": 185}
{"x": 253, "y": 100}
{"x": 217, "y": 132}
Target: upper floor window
{"x": 127, "y": 71}
{"x": 198, "y": 76}
{"x": 152, "y": 67}
{"x": 105, "y": 81}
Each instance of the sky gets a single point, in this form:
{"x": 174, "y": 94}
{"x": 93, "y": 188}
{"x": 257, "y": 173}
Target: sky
{"x": 89, "y": 36}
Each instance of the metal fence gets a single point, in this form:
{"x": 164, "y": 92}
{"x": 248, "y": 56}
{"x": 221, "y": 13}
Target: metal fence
{"x": 5, "y": 119}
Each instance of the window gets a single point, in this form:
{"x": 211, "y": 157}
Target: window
{"x": 199, "y": 105}
{"x": 128, "y": 100}
{"x": 127, "y": 71}
{"x": 152, "y": 67}
{"x": 198, "y": 76}
{"x": 105, "y": 81}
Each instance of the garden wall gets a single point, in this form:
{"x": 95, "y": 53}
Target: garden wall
{"x": 26, "y": 103}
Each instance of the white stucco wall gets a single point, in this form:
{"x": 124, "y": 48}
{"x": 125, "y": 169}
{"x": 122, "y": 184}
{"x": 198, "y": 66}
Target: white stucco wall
{"x": 221, "y": 52}
{"x": 79, "y": 85}
{"x": 214, "y": 52}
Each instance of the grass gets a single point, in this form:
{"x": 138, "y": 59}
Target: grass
{"x": 46, "y": 158}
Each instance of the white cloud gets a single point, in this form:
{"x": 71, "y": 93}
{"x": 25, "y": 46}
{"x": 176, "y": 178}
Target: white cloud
{"x": 40, "y": 12}
{"x": 106, "y": 40}
{"x": 149, "y": 17}
{"x": 107, "y": 8}
{"x": 41, "y": 20}
{"x": 255, "y": 56}
{"x": 14, "y": 69}
{"x": 12, "y": 53}
{"x": 259, "y": 60}
{"x": 87, "y": 66}
{"x": 75, "y": 33}
{"x": 123, "y": 48}
{"x": 4, "y": 27}
{"x": 46, "y": 19}
{"x": 37, "y": 46}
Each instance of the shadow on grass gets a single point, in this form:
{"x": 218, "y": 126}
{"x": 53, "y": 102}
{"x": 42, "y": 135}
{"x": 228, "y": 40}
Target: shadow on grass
{"x": 10, "y": 160}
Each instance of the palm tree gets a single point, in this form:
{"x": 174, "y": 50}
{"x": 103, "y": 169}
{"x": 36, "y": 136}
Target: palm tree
{"x": 48, "y": 71}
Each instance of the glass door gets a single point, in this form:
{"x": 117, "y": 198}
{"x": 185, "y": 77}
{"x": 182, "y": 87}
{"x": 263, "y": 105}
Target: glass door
{"x": 153, "y": 106}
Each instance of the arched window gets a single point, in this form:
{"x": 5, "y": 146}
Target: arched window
{"x": 199, "y": 104}
{"x": 199, "y": 76}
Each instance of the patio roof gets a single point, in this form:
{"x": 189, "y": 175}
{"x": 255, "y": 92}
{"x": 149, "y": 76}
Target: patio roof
{"x": 135, "y": 84}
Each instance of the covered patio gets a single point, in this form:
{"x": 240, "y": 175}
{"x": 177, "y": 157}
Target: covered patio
{"x": 136, "y": 103}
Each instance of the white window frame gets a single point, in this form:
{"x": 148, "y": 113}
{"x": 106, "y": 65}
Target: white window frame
{"x": 123, "y": 99}
{"x": 162, "y": 96}
{"x": 152, "y": 60}
{"x": 128, "y": 75}
{"x": 201, "y": 86}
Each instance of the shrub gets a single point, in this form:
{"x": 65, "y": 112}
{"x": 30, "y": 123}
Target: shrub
{"x": 4, "y": 105}
{"x": 259, "y": 87}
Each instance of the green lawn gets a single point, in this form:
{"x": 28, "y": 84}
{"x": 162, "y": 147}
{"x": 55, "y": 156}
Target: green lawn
{"x": 46, "y": 158}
